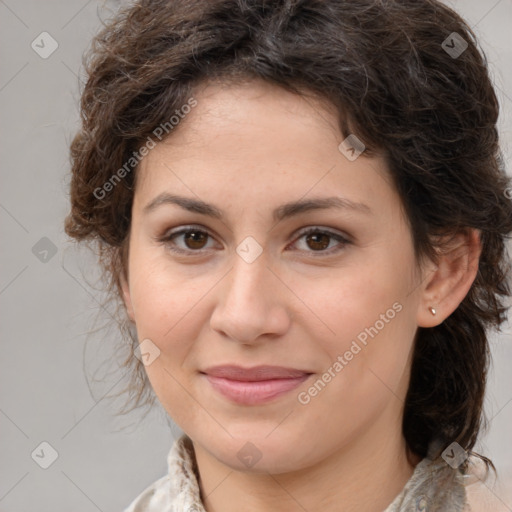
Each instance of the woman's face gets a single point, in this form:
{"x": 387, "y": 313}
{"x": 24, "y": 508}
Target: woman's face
{"x": 247, "y": 287}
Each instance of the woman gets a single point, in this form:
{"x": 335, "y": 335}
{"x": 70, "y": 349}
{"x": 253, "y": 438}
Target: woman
{"x": 302, "y": 207}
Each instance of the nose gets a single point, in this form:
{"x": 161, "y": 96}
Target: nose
{"x": 251, "y": 305}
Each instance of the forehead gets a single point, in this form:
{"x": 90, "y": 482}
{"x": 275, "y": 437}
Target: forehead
{"x": 255, "y": 135}
{"x": 254, "y": 109}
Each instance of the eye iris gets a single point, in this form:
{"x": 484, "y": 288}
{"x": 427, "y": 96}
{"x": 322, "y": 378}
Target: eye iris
{"x": 196, "y": 237}
{"x": 320, "y": 240}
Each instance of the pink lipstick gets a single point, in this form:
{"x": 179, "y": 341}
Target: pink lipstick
{"x": 256, "y": 385}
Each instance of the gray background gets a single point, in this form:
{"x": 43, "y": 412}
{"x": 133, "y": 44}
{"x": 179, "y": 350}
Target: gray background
{"x": 47, "y": 308}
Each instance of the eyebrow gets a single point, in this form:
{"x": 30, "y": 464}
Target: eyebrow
{"x": 282, "y": 212}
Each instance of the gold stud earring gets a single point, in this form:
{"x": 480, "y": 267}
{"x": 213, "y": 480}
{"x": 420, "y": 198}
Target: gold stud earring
{"x": 432, "y": 310}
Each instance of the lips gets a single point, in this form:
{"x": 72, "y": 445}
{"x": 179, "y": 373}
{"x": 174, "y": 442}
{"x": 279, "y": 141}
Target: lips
{"x": 256, "y": 385}
{"x": 254, "y": 374}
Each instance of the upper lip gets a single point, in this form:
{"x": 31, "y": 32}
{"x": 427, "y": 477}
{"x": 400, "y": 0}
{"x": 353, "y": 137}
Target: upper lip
{"x": 255, "y": 373}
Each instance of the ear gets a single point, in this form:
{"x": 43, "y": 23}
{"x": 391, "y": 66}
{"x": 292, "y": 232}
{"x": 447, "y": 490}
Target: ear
{"x": 126, "y": 295}
{"x": 451, "y": 278}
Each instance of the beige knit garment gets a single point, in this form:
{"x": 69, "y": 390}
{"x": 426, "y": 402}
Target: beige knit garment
{"x": 433, "y": 487}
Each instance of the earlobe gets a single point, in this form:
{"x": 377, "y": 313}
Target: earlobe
{"x": 127, "y": 296}
{"x": 451, "y": 280}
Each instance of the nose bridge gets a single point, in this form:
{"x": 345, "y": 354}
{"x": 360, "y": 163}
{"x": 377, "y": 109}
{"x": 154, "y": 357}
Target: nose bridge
{"x": 248, "y": 306}
{"x": 248, "y": 280}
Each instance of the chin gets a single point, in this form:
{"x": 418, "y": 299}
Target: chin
{"x": 255, "y": 452}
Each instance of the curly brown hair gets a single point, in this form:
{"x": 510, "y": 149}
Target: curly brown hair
{"x": 387, "y": 69}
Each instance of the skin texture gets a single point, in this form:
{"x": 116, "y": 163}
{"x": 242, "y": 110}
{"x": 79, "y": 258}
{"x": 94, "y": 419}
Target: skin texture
{"x": 248, "y": 149}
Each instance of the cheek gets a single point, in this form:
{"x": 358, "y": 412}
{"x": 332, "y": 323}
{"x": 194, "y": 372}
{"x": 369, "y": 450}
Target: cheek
{"x": 367, "y": 317}
{"x": 164, "y": 304}
{"x": 347, "y": 303}
{"x": 170, "y": 313}
{"x": 162, "y": 295}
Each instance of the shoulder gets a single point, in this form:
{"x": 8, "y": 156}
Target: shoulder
{"x": 481, "y": 498}
{"x": 154, "y": 498}
{"x": 179, "y": 489}
{"x": 485, "y": 492}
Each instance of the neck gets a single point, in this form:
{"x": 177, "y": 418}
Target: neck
{"x": 364, "y": 475}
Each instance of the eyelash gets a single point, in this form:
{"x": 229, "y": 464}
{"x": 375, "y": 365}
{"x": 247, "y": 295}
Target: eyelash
{"x": 167, "y": 240}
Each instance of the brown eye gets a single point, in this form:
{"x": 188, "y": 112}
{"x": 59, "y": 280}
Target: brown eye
{"x": 318, "y": 241}
{"x": 187, "y": 240}
{"x": 195, "y": 239}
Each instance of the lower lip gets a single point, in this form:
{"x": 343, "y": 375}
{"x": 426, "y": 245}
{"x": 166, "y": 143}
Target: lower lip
{"x": 255, "y": 392}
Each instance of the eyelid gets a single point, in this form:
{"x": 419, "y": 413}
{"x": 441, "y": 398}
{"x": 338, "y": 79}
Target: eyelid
{"x": 321, "y": 229}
